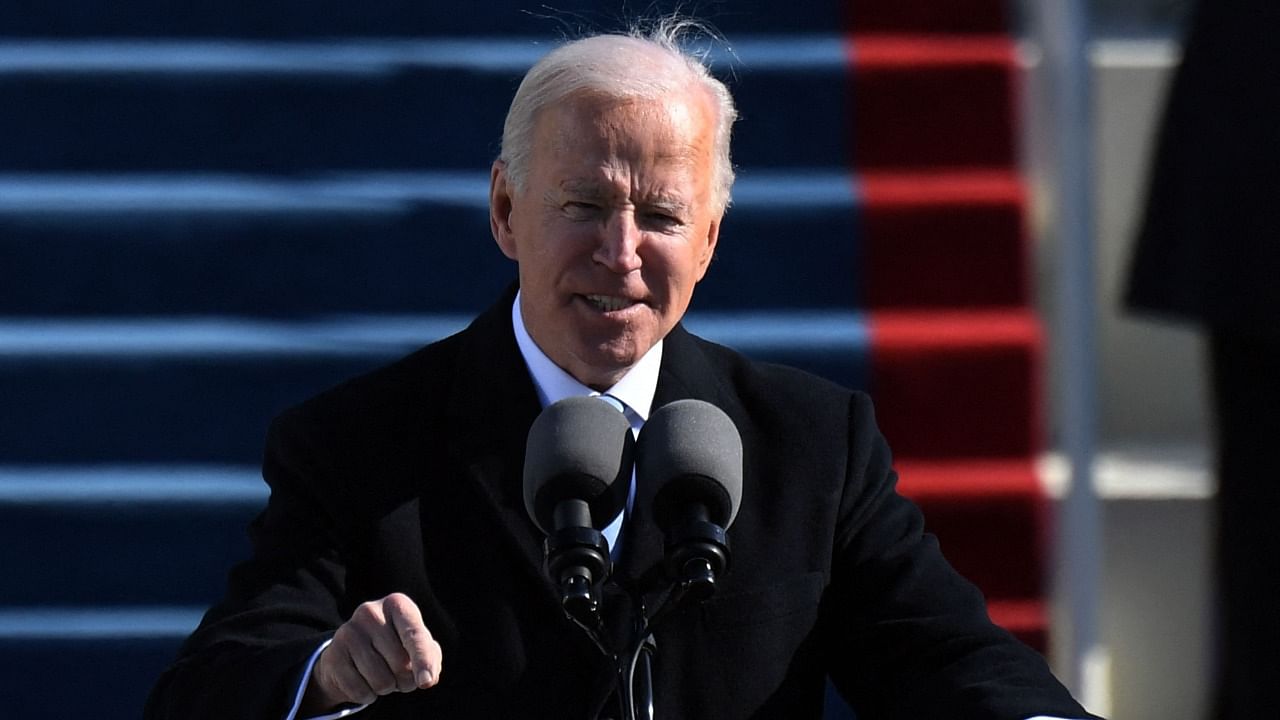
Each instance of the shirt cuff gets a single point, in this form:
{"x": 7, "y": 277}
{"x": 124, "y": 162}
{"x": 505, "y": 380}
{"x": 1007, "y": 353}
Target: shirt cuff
{"x": 302, "y": 689}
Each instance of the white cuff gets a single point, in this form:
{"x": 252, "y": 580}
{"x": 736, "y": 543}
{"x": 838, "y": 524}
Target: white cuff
{"x": 302, "y": 689}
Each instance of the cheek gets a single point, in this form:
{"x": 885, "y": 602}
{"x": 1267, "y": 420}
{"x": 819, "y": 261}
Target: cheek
{"x": 554, "y": 259}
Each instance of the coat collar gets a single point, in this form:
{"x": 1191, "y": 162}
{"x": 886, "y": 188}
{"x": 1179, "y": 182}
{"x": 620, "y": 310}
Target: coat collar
{"x": 495, "y": 402}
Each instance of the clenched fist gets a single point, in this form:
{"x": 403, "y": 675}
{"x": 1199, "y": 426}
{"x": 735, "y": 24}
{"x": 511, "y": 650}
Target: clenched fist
{"x": 384, "y": 648}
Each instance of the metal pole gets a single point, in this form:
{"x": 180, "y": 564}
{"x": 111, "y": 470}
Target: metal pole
{"x": 1061, "y": 30}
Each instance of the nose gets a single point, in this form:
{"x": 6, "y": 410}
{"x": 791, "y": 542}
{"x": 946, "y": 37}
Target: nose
{"x": 619, "y": 244}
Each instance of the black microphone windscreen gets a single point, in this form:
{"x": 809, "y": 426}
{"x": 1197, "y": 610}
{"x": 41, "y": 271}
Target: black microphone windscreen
{"x": 691, "y": 452}
{"x": 579, "y": 448}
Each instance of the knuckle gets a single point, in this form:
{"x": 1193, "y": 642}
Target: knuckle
{"x": 347, "y": 632}
{"x": 399, "y": 601}
{"x": 405, "y": 682}
{"x": 383, "y": 686}
{"x": 350, "y": 635}
{"x": 367, "y": 611}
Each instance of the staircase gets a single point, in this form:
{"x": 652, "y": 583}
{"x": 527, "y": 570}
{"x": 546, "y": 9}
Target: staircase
{"x": 208, "y": 213}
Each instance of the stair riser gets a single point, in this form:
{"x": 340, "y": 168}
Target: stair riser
{"x": 112, "y": 677}
{"x": 169, "y": 410}
{"x": 934, "y": 116}
{"x": 996, "y": 542}
{"x": 155, "y": 409}
{"x": 923, "y": 16}
{"x": 421, "y": 258}
{"x": 978, "y": 401}
{"x": 120, "y": 553}
{"x": 390, "y": 18}
{"x": 396, "y": 120}
{"x": 950, "y": 256}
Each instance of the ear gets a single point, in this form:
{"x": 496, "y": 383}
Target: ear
{"x": 708, "y": 250}
{"x": 500, "y": 204}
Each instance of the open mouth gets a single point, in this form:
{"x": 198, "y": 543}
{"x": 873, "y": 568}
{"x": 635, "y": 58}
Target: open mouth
{"x": 609, "y": 303}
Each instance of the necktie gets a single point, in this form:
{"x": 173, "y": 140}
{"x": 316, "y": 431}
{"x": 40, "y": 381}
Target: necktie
{"x": 613, "y": 532}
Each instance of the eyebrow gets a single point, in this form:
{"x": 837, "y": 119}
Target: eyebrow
{"x": 669, "y": 205}
{"x": 586, "y": 188}
{"x": 593, "y": 189}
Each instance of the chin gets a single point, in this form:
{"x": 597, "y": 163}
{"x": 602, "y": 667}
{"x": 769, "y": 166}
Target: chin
{"x": 607, "y": 364}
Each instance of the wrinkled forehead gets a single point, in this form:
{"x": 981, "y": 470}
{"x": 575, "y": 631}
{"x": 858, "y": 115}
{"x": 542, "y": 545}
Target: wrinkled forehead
{"x": 673, "y": 128}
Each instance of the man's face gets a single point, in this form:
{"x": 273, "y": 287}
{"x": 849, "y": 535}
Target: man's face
{"x": 613, "y": 229}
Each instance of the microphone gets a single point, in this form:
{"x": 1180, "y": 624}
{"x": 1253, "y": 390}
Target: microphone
{"x": 577, "y": 474}
{"x": 690, "y": 452}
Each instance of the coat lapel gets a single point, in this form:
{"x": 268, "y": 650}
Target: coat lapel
{"x": 686, "y": 373}
{"x": 494, "y": 403}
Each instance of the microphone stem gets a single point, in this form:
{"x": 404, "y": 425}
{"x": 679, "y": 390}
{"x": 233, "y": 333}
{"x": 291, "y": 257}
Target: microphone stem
{"x": 635, "y": 679}
{"x": 643, "y": 677}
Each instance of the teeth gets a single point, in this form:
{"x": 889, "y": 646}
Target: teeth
{"x": 609, "y": 303}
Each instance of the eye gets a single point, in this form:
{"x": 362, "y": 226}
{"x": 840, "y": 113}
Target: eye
{"x": 661, "y": 220}
{"x": 581, "y": 209}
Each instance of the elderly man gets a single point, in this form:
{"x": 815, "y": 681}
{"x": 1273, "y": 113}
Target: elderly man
{"x": 396, "y": 572}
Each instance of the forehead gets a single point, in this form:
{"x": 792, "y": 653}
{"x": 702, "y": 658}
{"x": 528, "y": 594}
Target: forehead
{"x": 594, "y": 130}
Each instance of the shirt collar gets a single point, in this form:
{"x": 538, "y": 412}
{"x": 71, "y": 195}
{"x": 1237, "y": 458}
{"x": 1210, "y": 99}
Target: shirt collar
{"x": 635, "y": 388}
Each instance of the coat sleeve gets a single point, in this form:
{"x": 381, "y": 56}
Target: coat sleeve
{"x": 913, "y": 638}
{"x": 246, "y": 657}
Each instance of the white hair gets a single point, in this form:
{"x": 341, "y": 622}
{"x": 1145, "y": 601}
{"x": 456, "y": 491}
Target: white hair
{"x": 644, "y": 64}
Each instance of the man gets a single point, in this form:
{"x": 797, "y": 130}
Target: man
{"x": 396, "y": 536}
{"x": 1206, "y": 254}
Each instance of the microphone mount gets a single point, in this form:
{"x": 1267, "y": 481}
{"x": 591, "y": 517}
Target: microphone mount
{"x": 697, "y": 552}
{"x": 577, "y": 559}
{"x": 578, "y": 465}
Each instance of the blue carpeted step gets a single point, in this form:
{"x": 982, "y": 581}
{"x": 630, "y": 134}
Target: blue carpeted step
{"x": 327, "y": 18}
{"x": 362, "y": 243}
{"x": 204, "y": 390}
{"x": 384, "y": 104}
{"x": 123, "y": 535}
{"x": 87, "y": 662}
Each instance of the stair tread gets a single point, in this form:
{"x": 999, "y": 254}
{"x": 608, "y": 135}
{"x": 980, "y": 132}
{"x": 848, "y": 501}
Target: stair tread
{"x": 894, "y": 51}
{"x": 33, "y": 193}
{"x": 363, "y": 56}
{"x": 111, "y": 485}
{"x": 375, "y": 334}
{"x": 346, "y": 191}
{"x": 970, "y": 479}
{"x": 916, "y": 330}
{"x": 370, "y": 335}
{"x": 98, "y": 622}
{"x": 1020, "y": 614}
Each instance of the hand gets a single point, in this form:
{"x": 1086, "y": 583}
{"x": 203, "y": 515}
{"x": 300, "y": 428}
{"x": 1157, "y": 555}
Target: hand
{"x": 384, "y": 648}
